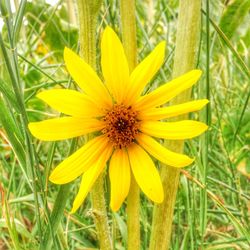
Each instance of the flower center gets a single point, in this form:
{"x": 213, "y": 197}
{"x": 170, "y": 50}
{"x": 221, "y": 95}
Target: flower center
{"x": 121, "y": 125}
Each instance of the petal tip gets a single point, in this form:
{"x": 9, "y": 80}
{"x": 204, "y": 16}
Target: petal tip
{"x": 188, "y": 162}
{"x": 203, "y": 103}
{"x": 56, "y": 178}
{"x": 205, "y": 127}
{"x": 41, "y": 95}
{"x": 73, "y": 210}
{"x": 30, "y": 125}
{"x": 161, "y": 49}
{"x": 32, "y": 129}
{"x": 157, "y": 197}
{"x": 185, "y": 163}
{"x": 67, "y": 54}
{"x": 52, "y": 178}
{"x": 108, "y": 27}
{"x": 108, "y": 30}
{"x": 197, "y": 73}
{"x": 191, "y": 160}
{"x": 162, "y": 45}
{"x": 114, "y": 207}
{"x": 66, "y": 49}
{"x": 160, "y": 198}
{"x": 110, "y": 34}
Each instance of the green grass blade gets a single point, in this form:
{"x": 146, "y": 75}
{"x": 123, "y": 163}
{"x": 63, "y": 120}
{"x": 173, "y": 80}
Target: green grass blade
{"x": 13, "y": 132}
{"x": 242, "y": 64}
{"x": 233, "y": 17}
{"x": 19, "y": 20}
{"x": 58, "y": 209}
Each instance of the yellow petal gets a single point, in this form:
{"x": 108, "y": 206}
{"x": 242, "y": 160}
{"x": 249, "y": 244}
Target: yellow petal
{"x": 145, "y": 173}
{"x": 119, "y": 174}
{"x": 168, "y": 91}
{"x": 161, "y": 153}
{"x": 90, "y": 176}
{"x": 145, "y": 71}
{"x": 114, "y": 64}
{"x": 171, "y": 111}
{"x": 86, "y": 78}
{"x": 80, "y": 161}
{"x": 173, "y": 130}
{"x": 63, "y": 128}
{"x": 70, "y": 102}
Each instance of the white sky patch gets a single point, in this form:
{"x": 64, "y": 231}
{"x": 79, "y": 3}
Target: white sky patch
{"x": 12, "y": 6}
{"x": 1, "y": 24}
{"x": 25, "y": 21}
{"x": 52, "y": 2}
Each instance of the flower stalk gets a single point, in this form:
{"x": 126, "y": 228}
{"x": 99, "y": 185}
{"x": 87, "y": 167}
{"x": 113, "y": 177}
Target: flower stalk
{"x": 188, "y": 35}
{"x": 88, "y": 12}
{"x": 128, "y": 21}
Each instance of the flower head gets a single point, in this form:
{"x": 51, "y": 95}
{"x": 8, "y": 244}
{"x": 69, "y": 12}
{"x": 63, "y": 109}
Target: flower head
{"x": 126, "y": 122}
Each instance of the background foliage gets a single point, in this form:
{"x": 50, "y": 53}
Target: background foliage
{"x": 213, "y": 203}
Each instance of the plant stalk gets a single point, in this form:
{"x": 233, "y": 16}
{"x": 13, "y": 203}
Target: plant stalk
{"x": 88, "y": 12}
{"x": 13, "y": 70}
{"x": 187, "y": 42}
{"x": 128, "y": 21}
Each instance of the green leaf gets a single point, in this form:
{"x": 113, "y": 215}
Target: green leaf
{"x": 122, "y": 226}
{"x": 57, "y": 32}
{"x": 13, "y": 132}
{"x": 233, "y": 17}
{"x": 6, "y": 90}
{"x": 19, "y": 227}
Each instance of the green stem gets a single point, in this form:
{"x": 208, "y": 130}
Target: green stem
{"x": 87, "y": 14}
{"x": 58, "y": 210}
{"x": 128, "y": 20}
{"x": 100, "y": 215}
{"x": 15, "y": 80}
{"x": 205, "y": 92}
{"x": 88, "y": 11}
{"x": 133, "y": 216}
{"x": 187, "y": 41}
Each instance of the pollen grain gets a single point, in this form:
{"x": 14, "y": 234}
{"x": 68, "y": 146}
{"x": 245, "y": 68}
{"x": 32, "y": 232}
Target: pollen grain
{"x": 122, "y": 125}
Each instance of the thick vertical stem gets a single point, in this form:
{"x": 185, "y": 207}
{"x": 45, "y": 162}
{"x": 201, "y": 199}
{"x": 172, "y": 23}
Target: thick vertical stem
{"x": 187, "y": 41}
{"x": 133, "y": 216}
{"x": 100, "y": 215}
{"x": 87, "y": 15}
{"x": 71, "y": 12}
{"x": 88, "y": 11}
{"x": 128, "y": 20}
{"x": 129, "y": 31}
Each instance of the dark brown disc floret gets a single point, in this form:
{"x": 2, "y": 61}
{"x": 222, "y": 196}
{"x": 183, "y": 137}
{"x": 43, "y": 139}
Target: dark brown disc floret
{"x": 121, "y": 125}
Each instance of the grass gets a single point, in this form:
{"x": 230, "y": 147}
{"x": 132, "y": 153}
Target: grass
{"x": 213, "y": 201}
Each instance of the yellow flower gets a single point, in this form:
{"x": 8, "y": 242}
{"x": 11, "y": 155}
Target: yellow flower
{"x": 126, "y": 122}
